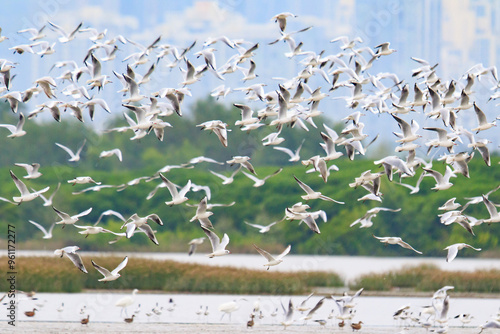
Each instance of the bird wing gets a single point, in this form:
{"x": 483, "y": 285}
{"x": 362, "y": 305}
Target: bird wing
{"x": 77, "y": 261}
{"x": 225, "y": 241}
{"x": 273, "y": 174}
{"x": 149, "y": 232}
{"x": 171, "y": 187}
{"x": 249, "y": 166}
{"x": 84, "y": 213}
{"x": 40, "y": 227}
{"x": 452, "y": 252}
{"x": 130, "y": 229}
{"x": 202, "y": 206}
{"x": 304, "y": 186}
{"x": 255, "y": 225}
{"x": 406, "y": 245}
{"x": 285, "y": 252}
{"x": 251, "y": 177}
{"x": 285, "y": 150}
{"x": 214, "y": 239}
{"x": 110, "y": 212}
{"x": 105, "y": 272}
{"x": 264, "y": 253}
{"x": 185, "y": 189}
{"x": 316, "y": 307}
{"x": 19, "y": 184}
{"x": 120, "y": 266}
{"x": 69, "y": 151}
{"x": 62, "y": 215}
{"x": 490, "y": 206}
{"x": 206, "y": 222}
{"x": 223, "y": 177}
{"x": 118, "y": 153}
{"x": 309, "y": 220}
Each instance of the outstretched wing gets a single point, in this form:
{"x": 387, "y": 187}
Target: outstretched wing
{"x": 77, "y": 261}
{"x": 285, "y": 252}
{"x": 120, "y": 266}
{"x": 105, "y": 272}
{"x": 264, "y": 253}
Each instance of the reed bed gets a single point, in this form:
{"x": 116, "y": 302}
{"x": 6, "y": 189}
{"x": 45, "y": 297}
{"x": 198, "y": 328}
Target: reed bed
{"x": 52, "y": 274}
{"x": 430, "y": 278}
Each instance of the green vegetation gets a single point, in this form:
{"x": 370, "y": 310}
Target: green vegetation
{"x": 430, "y": 278}
{"x": 53, "y": 274}
{"x": 417, "y": 222}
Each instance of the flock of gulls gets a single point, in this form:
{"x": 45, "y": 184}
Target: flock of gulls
{"x": 446, "y": 106}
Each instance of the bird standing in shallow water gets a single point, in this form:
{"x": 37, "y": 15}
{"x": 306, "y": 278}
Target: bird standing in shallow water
{"x": 356, "y": 327}
{"x": 30, "y": 313}
{"x": 250, "y": 322}
{"x": 129, "y": 320}
{"x": 85, "y": 321}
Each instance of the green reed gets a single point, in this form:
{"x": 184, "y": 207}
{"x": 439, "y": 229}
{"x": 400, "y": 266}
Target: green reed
{"x": 430, "y": 278}
{"x": 53, "y": 274}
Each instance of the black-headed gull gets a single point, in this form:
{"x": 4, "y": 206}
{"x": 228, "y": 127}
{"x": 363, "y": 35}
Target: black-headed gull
{"x": 311, "y": 194}
{"x": 483, "y": 124}
{"x": 66, "y": 219}
{"x": 217, "y": 127}
{"x": 260, "y": 182}
{"x": 83, "y": 180}
{"x": 70, "y": 252}
{"x": 313, "y": 310}
{"x": 65, "y": 37}
{"x": 442, "y": 181}
{"x": 178, "y": 197}
{"x": 113, "y": 275}
{"x": 26, "y": 195}
{"x": 109, "y": 213}
{"x": 294, "y": 155}
{"x": 87, "y": 230}
{"x": 218, "y": 245}
{"x": 243, "y": 161}
{"x": 396, "y": 241}
{"x": 48, "y": 201}
{"x": 288, "y": 315}
{"x": 262, "y": 228}
{"x": 141, "y": 224}
{"x": 74, "y": 156}
{"x": 281, "y": 19}
{"x": 31, "y": 169}
{"x": 271, "y": 260}
{"x": 492, "y": 210}
{"x": 194, "y": 243}
{"x": 202, "y": 214}
{"x": 16, "y": 130}
{"x": 46, "y": 234}
{"x": 115, "y": 151}
{"x": 453, "y": 250}
{"x": 226, "y": 179}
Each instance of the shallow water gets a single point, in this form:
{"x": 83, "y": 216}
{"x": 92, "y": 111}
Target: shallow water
{"x": 373, "y": 311}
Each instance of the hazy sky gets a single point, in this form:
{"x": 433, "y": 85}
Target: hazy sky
{"x": 422, "y": 29}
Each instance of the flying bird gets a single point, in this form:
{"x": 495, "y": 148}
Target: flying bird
{"x": 396, "y": 241}
{"x": 113, "y": 275}
{"x": 271, "y": 260}
{"x": 453, "y": 250}
{"x": 70, "y": 252}
{"x": 26, "y": 195}
{"x": 218, "y": 245}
